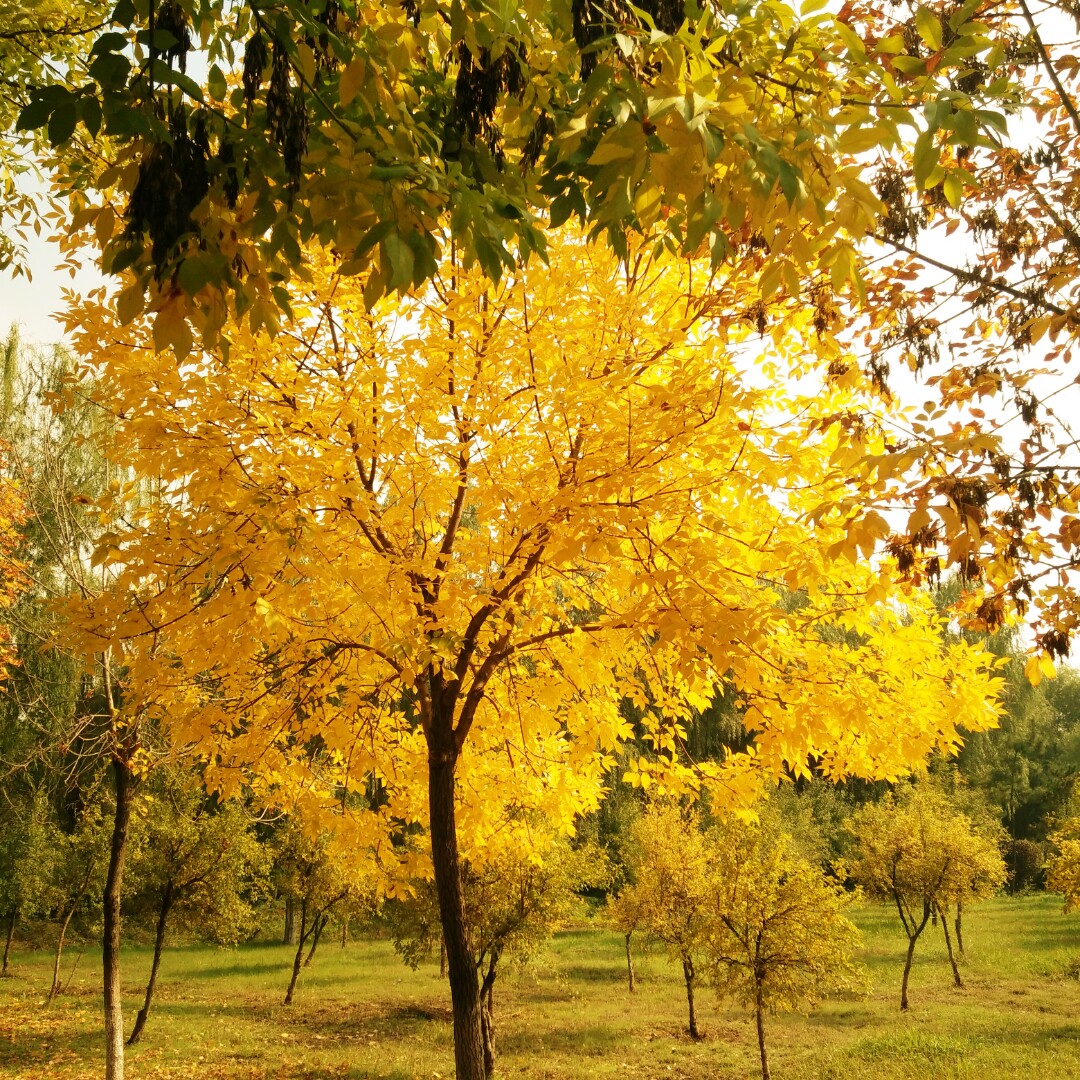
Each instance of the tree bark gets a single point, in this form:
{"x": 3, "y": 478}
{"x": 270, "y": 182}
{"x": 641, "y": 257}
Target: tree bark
{"x": 464, "y": 980}
{"x": 114, "y": 1017}
{"x": 299, "y": 958}
{"x": 289, "y": 937}
{"x": 688, "y": 975}
{"x": 13, "y": 914}
{"x": 159, "y": 944}
{"x": 949, "y": 948}
{"x": 907, "y": 972}
{"x": 442, "y": 959}
{"x": 55, "y": 988}
{"x": 629, "y": 963}
{"x": 759, "y": 1016}
{"x": 960, "y": 928}
{"x": 487, "y": 1013}
{"x": 317, "y": 927}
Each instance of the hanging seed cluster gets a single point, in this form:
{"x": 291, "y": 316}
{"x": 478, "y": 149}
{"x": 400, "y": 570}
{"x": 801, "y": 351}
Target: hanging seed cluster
{"x": 594, "y": 20}
{"x": 286, "y": 108}
{"x": 481, "y": 82}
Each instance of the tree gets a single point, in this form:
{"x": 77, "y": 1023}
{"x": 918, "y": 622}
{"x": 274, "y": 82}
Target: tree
{"x": 199, "y": 863}
{"x": 671, "y": 886}
{"x": 1063, "y": 865}
{"x": 515, "y": 900}
{"x": 918, "y": 852}
{"x": 443, "y": 540}
{"x": 318, "y": 876}
{"x": 774, "y": 934}
{"x": 365, "y": 129}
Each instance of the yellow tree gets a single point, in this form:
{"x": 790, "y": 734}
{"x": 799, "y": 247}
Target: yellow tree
{"x": 1063, "y": 866}
{"x": 442, "y": 538}
{"x": 919, "y": 852}
{"x": 774, "y": 935}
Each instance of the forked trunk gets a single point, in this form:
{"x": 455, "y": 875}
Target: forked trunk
{"x": 759, "y": 1016}
{"x": 298, "y": 959}
{"x": 949, "y": 948}
{"x": 13, "y": 914}
{"x": 110, "y": 951}
{"x": 913, "y": 936}
{"x": 318, "y": 927}
{"x": 688, "y": 975}
{"x": 461, "y": 966}
{"x": 629, "y": 962}
{"x": 56, "y": 987}
{"x": 159, "y": 945}
{"x": 487, "y": 1013}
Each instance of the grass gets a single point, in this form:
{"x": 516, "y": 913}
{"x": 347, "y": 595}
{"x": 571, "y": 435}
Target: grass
{"x": 360, "y": 1014}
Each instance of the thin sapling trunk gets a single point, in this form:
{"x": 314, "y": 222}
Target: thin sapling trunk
{"x": 689, "y": 976}
{"x": 629, "y": 962}
{"x": 13, "y": 915}
{"x": 114, "y": 1017}
{"x": 159, "y": 944}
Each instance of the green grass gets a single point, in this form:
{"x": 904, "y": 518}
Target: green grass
{"x": 360, "y": 1014}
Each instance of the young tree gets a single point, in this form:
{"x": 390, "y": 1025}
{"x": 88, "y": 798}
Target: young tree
{"x": 516, "y": 898}
{"x": 774, "y": 935}
{"x": 199, "y": 863}
{"x": 920, "y": 853}
{"x": 670, "y": 888}
{"x": 1063, "y": 865}
{"x": 551, "y": 496}
{"x": 318, "y": 876}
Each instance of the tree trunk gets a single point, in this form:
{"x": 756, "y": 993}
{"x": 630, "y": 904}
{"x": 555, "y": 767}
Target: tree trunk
{"x": 907, "y": 972}
{"x": 344, "y": 933}
{"x": 114, "y": 1017}
{"x": 948, "y": 946}
{"x": 442, "y": 959}
{"x": 317, "y": 927}
{"x": 464, "y": 980}
{"x": 759, "y": 1015}
{"x": 13, "y": 914}
{"x": 629, "y": 963}
{"x": 56, "y": 988}
{"x": 289, "y": 937}
{"x": 960, "y": 928}
{"x": 487, "y": 1013}
{"x": 688, "y": 975}
{"x": 299, "y": 958}
{"x": 159, "y": 944}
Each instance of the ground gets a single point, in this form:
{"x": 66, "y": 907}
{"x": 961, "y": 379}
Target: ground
{"x": 360, "y": 1014}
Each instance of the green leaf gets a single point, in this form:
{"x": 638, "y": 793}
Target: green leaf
{"x": 90, "y": 114}
{"x": 929, "y": 27}
{"x": 790, "y": 182}
{"x": 109, "y": 43}
{"x": 110, "y": 70}
{"x": 62, "y": 122}
{"x": 195, "y": 273}
{"x": 216, "y": 84}
{"x": 124, "y": 13}
{"x": 35, "y": 115}
{"x": 398, "y": 257}
{"x": 925, "y": 157}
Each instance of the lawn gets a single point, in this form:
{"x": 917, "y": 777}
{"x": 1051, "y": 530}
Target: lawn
{"x": 359, "y": 1013}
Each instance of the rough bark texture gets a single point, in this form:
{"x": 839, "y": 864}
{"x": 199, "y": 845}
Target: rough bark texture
{"x": 464, "y": 980}
{"x": 159, "y": 945}
{"x": 688, "y": 975}
{"x": 759, "y": 1015}
{"x": 110, "y": 951}
{"x": 13, "y": 914}
{"x": 629, "y": 963}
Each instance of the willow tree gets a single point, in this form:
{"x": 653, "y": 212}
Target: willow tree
{"x": 443, "y": 539}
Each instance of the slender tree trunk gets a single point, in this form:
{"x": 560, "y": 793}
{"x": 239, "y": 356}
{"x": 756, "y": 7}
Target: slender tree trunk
{"x": 299, "y": 958}
{"x": 629, "y": 962}
{"x": 907, "y": 972}
{"x": 159, "y": 944}
{"x": 688, "y": 975}
{"x": 442, "y": 959}
{"x": 487, "y": 1013}
{"x": 960, "y": 928}
{"x": 344, "y": 933}
{"x": 289, "y": 937}
{"x": 114, "y": 1017}
{"x": 949, "y": 948}
{"x": 464, "y": 980}
{"x": 759, "y": 1016}
{"x": 317, "y": 927}
{"x": 13, "y": 914}
{"x": 56, "y": 988}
